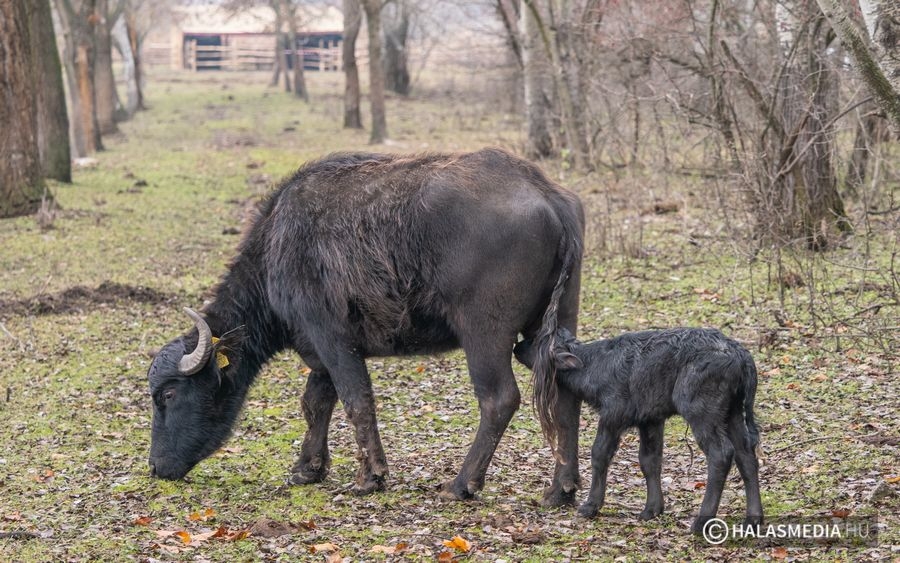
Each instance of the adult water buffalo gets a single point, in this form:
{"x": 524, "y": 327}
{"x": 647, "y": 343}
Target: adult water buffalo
{"x": 360, "y": 255}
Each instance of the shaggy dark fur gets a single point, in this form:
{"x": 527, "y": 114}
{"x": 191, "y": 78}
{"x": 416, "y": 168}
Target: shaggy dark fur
{"x": 643, "y": 378}
{"x": 361, "y": 255}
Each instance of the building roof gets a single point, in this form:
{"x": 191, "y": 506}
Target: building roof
{"x": 258, "y": 19}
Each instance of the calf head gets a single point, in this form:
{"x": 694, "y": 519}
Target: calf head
{"x": 195, "y": 402}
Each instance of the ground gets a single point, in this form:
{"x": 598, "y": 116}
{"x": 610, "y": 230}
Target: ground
{"x": 92, "y": 288}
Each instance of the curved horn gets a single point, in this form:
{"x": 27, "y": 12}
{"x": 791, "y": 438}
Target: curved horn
{"x": 194, "y": 362}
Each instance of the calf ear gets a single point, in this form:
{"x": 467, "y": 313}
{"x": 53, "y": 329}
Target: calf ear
{"x": 565, "y": 360}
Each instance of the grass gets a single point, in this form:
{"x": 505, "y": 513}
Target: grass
{"x": 145, "y": 232}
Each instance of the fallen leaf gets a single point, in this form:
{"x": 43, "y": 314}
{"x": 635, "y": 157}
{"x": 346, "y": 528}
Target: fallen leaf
{"x": 184, "y": 536}
{"x": 840, "y": 513}
{"x": 699, "y": 485}
{"x": 389, "y": 549}
{"x": 238, "y": 536}
{"x": 334, "y": 558}
{"x": 445, "y": 556}
{"x": 893, "y": 480}
{"x": 779, "y": 553}
{"x": 142, "y": 520}
{"x": 458, "y": 543}
{"x": 793, "y": 386}
{"x": 420, "y": 368}
{"x": 16, "y": 516}
{"x": 323, "y": 548}
{"x": 308, "y": 525}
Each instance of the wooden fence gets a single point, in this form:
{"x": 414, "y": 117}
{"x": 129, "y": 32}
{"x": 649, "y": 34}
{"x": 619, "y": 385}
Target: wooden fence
{"x": 234, "y": 57}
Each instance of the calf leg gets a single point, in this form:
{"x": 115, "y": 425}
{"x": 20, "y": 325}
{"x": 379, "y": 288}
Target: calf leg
{"x": 605, "y": 446}
{"x": 498, "y": 398}
{"x": 719, "y": 454}
{"x": 566, "y": 480}
{"x": 650, "y": 455}
{"x": 748, "y": 465}
{"x": 318, "y": 405}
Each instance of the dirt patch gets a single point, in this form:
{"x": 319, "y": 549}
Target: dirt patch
{"x": 80, "y": 298}
{"x": 227, "y": 139}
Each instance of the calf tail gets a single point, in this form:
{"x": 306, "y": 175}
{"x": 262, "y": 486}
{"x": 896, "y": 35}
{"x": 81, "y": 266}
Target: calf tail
{"x": 546, "y": 339}
{"x": 749, "y": 391}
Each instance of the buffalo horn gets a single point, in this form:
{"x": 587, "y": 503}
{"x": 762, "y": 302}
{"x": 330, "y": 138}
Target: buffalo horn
{"x": 194, "y": 362}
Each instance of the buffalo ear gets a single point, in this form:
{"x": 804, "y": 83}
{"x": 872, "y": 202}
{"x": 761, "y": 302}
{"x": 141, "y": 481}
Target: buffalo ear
{"x": 565, "y": 361}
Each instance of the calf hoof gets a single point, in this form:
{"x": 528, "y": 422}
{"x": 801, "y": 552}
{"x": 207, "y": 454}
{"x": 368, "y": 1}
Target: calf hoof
{"x": 451, "y": 490}
{"x": 650, "y": 512}
{"x": 588, "y": 510}
{"x": 369, "y": 486}
{"x": 556, "y": 496}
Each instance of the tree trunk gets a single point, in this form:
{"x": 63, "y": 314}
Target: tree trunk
{"x": 352, "y": 23}
{"x": 296, "y": 55}
{"x": 395, "y": 63}
{"x": 104, "y": 82}
{"x": 282, "y": 56}
{"x": 135, "y": 41}
{"x": 871, "y": 130}
{"x": 53, "y": 119}
{"x": 535, "y": 68}
{"x": 372, "y": 9}
{"x": 806, "y": 182}
{"x": 77, "y": 24}
{"x": 21, "y": 185}
{"x": 875, "y": 52}
{"x": 122, "y": 44}
{"x": 276, "y": 71}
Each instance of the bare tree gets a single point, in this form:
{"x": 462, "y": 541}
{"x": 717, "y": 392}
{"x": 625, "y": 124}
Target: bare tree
{"x": 104, "y": 81}
{"x": 77, "y": 19}
{"x": 352, "y": 23}
{"x": 372, "y": 10}
{"x": 21, "y": 184}
{"x": 396, "y": 19}
{"x": 290, "y": 8}
{"x": 53, "y": 119}
{"x": 875, "y": 48}
{"x": 535, "y": 70}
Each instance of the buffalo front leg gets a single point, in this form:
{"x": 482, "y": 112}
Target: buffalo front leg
{"x": 318, "y": 405}
{"x": 498, "y": 398}
{"x": 354, "y": 389}
{"x": 566, "y": 480}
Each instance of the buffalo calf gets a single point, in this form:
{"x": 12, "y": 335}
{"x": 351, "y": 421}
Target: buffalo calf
{"x": 643, "y": 378}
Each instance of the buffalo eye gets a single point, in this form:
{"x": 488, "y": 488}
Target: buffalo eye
{"x": 169, "y": 394}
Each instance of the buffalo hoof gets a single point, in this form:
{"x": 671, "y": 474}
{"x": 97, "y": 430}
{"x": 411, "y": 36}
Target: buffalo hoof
{"x": 556, "y": 496}
{"x": 649, "y": 513}
{"x": 753, "y": 520}
{"x": 699, "y": 524}
{"x": 368, "y": 486}
{"x": 588, "y": 510}
{"x": 451, "y": 490}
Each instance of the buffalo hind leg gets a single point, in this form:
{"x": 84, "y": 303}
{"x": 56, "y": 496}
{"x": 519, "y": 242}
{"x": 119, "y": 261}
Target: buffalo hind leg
{"x": 748, "y": 466}
{"x": 605, "y": 445}
{"x": 719, "y": 456}
{"x": 318, "y": 405}
{"x": 650, "y": 455}
{"x": 498, "y": 398}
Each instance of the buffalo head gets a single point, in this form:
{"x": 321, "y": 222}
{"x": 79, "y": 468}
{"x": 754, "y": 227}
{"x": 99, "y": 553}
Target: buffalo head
{"x": 195, "y": 402}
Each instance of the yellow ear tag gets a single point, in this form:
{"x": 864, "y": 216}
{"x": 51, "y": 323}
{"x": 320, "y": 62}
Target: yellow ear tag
{"x": 221, "y": 358}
